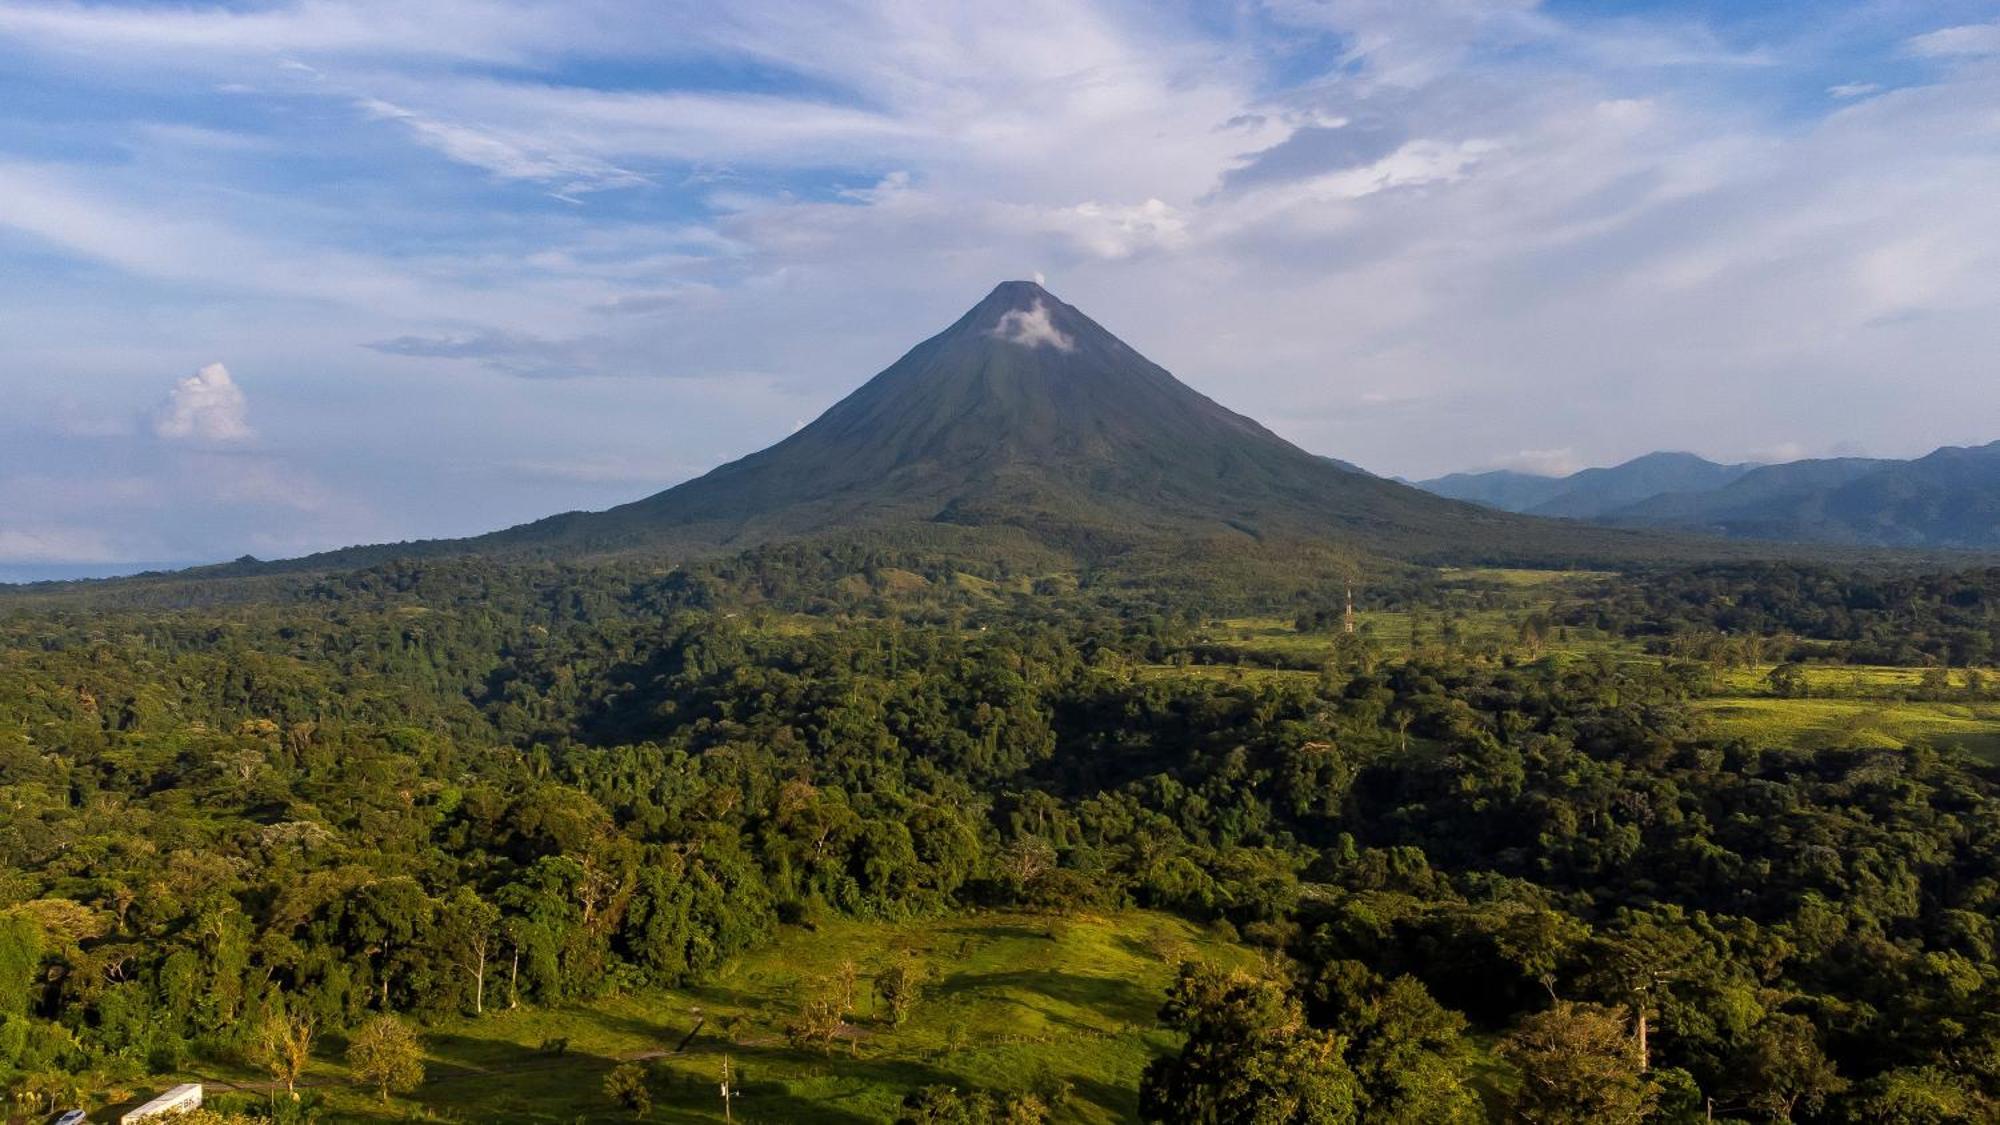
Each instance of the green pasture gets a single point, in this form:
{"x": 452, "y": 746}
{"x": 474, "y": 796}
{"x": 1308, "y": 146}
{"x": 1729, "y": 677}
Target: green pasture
{"x": 1858, "y": 681}
{"x": 1524, "y": 579}
{"x": 1390, "y": 630}
{"x": 1014, "y": 1001}
{"x": 1814, "y": 723}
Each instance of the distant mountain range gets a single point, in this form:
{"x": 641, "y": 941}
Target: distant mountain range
{"x": 1949, "y": 498}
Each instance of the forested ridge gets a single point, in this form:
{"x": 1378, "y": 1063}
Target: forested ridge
{"x": 430, "y": 789}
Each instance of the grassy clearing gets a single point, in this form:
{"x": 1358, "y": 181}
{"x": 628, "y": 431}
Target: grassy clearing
{"x": 1390, "y": 629}
{"x": 1227, "y": 674}
{"x": 1889, "y": 724}
{"x": 1850, "y": 705}
{"x": 1013, "y": 1000}
{"x": 1524, "y": 579}
{"x": 1858, "y": 681}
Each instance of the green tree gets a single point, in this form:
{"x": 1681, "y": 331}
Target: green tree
{"x": 818, "y": 1020}
{"x": 467, "y": 930}
{"x": 1579, "y": 1065}
{"x": 1249, "y": 1057}
{"x": 944, "y": 1105}
{"x": 1408, "y": 1052}
{"x": 900, "y": 986}
{"x": 283, "y": 1044}
{"x": 1784, "y": 1070}
{"x": 385, "y": 1054}
{"x": 1788, "y": 681}
{"x": 20, "y": 961}
{"x": 626, "y": 1085}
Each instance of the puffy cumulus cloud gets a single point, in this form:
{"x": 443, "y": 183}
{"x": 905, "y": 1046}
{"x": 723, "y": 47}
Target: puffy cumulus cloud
{"x": 1114, "y": 231}
{"x": 1032, "y": 328}
{"x": 207, "y": 406}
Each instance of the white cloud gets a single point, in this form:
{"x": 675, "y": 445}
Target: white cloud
{"x": 569, "y": 173}
{"x": 207, "y": 406}
{"x": 1031, "y": 328}
{"x": 1543, "y": 462}
{"x": 1111, "y": 231}
{"x": 55, "y": 545}
{"x": 1966, "y": 41}
{"x": 1779, "y": 453}
{"x": 1488, "y": 227}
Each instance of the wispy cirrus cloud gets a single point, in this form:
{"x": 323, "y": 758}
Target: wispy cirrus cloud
{"x": 1973, "y": 40}
{"x": 568, "y": 174}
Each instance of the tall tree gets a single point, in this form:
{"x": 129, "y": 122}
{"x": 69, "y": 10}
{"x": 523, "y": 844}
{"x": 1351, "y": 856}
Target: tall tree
{"x": 284, "y": 1043}
{"x": 1579, "y": 1066}
{"x": 1249, "y": 1057}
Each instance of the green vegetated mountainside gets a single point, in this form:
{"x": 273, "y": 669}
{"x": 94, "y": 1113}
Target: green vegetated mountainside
{"x": 479, "y": 838}
{"x": 1588, "y": 493}
{"x": 1027, "y": 426}
{"x": 1949, "y": 498}
{"x": 926, "y": 767}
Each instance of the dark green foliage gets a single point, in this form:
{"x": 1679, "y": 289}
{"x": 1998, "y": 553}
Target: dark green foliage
{"x": 435, "y": 789}
{"x": 1250, "y": 1056}
{"x": 1746, "y": 614}
{"x": 943, "y": 1105}
{"x": 626, "y": 1084}
{"x": 1578, "y": 1066}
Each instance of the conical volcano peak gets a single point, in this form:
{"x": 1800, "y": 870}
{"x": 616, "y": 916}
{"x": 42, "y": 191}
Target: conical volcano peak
{"x": 1033, "y": 327}
{"x": 1023, "y": 414}
{"x": 1017, "y": 295}
{"x": 1024, "y": 313}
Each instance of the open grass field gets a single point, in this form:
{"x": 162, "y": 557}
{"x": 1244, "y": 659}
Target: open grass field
{"x": 1889, "y": 724}
{"x": 1858, "y": 681}
{"x": 1013, "y": 999}
{"x": 1390, "y": 630}
{"x": 1524, "y": 579}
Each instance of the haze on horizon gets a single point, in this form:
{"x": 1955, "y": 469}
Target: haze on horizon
{"x": 276, "y": 277}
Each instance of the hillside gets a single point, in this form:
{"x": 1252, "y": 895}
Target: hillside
{"x": 1590, "y": 493}
{"x": 1949, "y": 499}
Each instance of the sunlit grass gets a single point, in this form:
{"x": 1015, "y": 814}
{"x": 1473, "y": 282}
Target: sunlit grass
{"x": 1014, "y": 1000}
{"x": 1816, "y": 723}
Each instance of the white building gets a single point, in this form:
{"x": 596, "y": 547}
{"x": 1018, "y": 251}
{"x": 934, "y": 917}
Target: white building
{"x": 177, "y": 1100}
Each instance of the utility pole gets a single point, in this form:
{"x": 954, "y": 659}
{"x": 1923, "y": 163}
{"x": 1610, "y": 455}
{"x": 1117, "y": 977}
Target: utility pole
{"x": 1347, "y": 620}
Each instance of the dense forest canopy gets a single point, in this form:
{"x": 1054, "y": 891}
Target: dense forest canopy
{"x": 438, "y": 788}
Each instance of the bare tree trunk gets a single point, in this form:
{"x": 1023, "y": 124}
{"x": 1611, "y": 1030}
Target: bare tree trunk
{"x": 513, "y": 980}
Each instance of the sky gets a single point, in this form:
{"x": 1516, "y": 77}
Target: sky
{"x": 277, "y": 277}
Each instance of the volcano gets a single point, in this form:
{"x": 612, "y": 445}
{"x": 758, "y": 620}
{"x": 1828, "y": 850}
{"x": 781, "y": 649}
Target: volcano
{"x": 1026, "y": 414}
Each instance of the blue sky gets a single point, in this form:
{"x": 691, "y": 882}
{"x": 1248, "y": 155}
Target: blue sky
{"x": 282, "y": 276}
